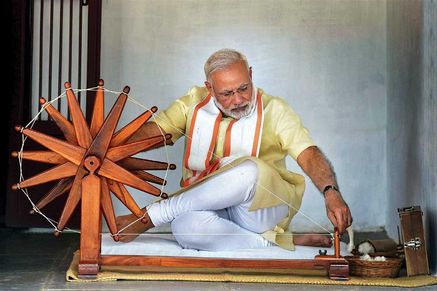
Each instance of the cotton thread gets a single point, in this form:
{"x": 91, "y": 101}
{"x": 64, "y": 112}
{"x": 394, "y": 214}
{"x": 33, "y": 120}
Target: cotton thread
{"x": 154, "y": 116}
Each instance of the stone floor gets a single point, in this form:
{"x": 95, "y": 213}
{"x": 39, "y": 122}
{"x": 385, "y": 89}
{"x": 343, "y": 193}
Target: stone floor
{"x": 38, "y": 261}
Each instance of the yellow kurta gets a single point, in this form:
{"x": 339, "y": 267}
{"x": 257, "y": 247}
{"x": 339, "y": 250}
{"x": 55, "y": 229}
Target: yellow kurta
{"x": 283, "y": 134}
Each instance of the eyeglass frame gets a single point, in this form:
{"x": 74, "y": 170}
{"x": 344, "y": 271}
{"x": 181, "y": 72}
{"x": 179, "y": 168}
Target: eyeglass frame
{"x": 229, "y": 93}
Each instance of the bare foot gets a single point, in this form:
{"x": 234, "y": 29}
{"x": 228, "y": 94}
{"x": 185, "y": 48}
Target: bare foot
{"x": 133, "y": 231}
{"x": 312, "y": 240}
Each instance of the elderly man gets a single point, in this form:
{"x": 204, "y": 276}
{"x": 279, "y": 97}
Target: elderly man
{"x": 237, "y": 192}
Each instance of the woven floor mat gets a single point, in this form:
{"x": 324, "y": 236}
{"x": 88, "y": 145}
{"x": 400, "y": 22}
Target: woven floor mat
{"x": 109, "y": 273}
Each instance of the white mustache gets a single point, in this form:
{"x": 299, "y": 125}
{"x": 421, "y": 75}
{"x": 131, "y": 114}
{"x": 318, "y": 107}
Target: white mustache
{"x": 239, "y": 106}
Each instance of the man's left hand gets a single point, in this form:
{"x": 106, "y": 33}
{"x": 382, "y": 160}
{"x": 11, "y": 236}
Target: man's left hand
{"x": 337, "y": 210}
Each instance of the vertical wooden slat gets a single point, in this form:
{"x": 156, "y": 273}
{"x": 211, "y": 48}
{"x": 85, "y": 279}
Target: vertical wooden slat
{"x": 50, "y": 50}
{"x": 70, "y": 46}
{"x": 72, "y": 42}
{"x": 61, "y": 35}
{"x": 79, "y": 62}
{"x": 41, "y": 49}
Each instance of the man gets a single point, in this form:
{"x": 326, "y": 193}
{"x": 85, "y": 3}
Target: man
{"x": 237, "y": 192}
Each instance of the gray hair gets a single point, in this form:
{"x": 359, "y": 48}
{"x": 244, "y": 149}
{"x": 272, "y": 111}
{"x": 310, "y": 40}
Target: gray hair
{"x": 222, "y": 59}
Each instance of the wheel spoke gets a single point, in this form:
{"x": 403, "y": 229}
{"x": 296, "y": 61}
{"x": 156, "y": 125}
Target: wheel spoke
{"x": 98, "y": 110}
{"x": 126, "y": 132}
{"x": 120, "y": 152}
{"x": 64, "y": 125}
{"x": 112, "y": 171}
{"x": 58, "y": 172}
{"x": 73, "y": 198}
{"x": 132, "y": 164}
{"x": 126, "y": 198}
{"x": 100, "y": 145}
{"x": 149, "y": 177}
{"x": 60, "y": 188}
{"x": 83, "y": 134}
{"x": 108, "y": 208}
{"x": 47, "y": 157}
{"x": 71, "y": 152}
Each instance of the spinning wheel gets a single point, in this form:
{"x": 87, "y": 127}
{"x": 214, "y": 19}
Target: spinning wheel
{"x": 91, "y": 163}
{"x": 94, "y": 161}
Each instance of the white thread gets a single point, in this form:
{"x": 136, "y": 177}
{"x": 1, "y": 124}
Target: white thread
{"x": 270, "y": 192}
{"x": 131, "y": 99}
{"x": 217, "y": 234}
{"x": 30, "y": 125}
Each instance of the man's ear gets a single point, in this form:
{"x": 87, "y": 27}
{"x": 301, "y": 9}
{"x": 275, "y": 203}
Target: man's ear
{"x": 209, "y": 87}
{"x": 250, "y": 72}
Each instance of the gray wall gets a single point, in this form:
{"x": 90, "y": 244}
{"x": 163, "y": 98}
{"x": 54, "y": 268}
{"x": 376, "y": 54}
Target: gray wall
{"x": 361, "y": 74}
{"x": 412, "y": 113}
{"x": 327, "y": 58}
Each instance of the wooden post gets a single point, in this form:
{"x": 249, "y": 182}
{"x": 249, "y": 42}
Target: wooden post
{"x": 90, "y": 239}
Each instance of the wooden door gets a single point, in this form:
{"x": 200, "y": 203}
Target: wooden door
{"x": 53, "y": 41}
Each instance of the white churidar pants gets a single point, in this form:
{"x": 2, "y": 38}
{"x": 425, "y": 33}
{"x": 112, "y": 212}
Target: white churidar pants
{"x": 215, "y": 214}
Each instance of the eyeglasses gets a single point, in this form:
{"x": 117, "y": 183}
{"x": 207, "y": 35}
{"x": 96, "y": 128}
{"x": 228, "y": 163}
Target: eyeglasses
{"x": 240, "y": 90}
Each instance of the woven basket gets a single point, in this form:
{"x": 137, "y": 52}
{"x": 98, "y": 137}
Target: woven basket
{"x": 389, "y": 268}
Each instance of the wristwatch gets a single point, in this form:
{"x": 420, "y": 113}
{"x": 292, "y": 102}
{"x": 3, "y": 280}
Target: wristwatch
{"x": 329, "y": 187}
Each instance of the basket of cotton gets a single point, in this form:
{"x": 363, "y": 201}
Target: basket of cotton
{"x": 367, "y": 266}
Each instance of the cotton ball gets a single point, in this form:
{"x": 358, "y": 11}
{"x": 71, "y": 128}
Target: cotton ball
{"x": 365, "y": 248}
{"x": 380, "y": 259}
{"x": 366, "y": 257}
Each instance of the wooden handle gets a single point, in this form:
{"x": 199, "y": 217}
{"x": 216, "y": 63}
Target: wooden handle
{"x": 336, "y": 242}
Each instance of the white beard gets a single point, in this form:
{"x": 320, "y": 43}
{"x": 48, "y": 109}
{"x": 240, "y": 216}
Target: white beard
{"x": 237, "y": 114}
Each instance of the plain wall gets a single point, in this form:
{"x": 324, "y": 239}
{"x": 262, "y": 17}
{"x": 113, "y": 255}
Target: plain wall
{"x": 326, "y": 58}
{"x": 411, "y": 115}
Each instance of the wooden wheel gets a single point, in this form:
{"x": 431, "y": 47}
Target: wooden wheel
{"x": 94, "y": 161}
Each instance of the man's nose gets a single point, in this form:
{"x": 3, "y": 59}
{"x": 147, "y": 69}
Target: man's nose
{"x": 238, "y": 98}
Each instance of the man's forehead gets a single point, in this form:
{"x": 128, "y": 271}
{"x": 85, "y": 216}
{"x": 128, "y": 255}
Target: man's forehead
{"x": 232, "y": 76}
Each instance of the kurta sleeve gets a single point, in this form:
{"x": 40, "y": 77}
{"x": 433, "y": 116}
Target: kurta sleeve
{"x": 173, "y": 119}
{"x": 293, "y": 136}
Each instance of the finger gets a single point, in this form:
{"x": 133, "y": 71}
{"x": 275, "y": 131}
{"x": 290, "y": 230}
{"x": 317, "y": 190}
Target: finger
{"x": 349, "y": 219}
{"x": 340, "y": 222}
{"x": 332, "y": 218}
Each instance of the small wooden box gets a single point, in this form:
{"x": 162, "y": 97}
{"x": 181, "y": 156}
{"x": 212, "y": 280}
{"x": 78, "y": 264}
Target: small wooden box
{"x": 413, "y": 239}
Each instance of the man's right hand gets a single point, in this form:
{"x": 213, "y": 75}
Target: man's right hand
{"x": 337, "y": 210}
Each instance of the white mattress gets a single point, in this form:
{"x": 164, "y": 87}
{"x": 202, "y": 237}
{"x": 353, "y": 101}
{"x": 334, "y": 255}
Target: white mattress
{"x": 155, "y": 244}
